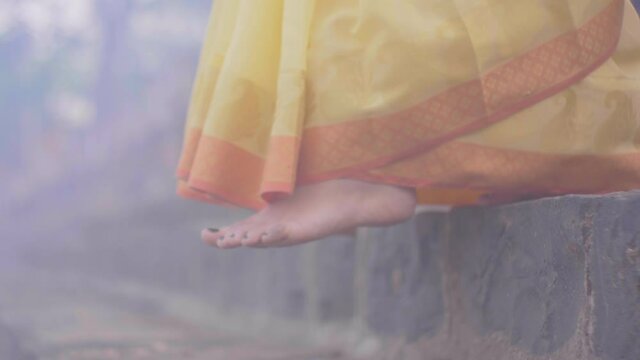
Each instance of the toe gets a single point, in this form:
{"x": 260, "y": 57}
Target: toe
{"x": 210, "y": 236}
{"x": 229, "y": 240}
{"x": 234, "y": 237}
{"x": 252, "y": 238}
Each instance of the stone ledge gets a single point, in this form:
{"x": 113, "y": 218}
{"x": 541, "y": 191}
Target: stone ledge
{"x": 555, "y": 278}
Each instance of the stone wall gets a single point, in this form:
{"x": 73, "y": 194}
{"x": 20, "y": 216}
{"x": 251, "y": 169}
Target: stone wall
{"x": 548, "y": 279}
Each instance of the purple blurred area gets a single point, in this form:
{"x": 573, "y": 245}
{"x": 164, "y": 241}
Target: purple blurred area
{"x": 93, "y": 95}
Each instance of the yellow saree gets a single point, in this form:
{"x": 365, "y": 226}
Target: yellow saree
{"x": 464, "y": 100}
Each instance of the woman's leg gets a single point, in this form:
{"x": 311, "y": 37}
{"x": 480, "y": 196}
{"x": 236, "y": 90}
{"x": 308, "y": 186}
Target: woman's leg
{"x": 317, "y": 211}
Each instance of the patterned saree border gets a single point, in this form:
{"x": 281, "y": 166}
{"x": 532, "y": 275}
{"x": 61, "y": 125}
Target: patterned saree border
{"x": 219, "y": 172}
{"x": 335, "y": 150}
{"x": 456, "y": 167}
{"x": 460, "y": 165}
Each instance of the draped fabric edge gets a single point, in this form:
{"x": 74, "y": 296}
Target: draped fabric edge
{"x": 426, "y": 127}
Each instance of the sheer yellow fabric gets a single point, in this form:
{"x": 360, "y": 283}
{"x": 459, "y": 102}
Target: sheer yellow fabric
{"x": 457, "y": 98}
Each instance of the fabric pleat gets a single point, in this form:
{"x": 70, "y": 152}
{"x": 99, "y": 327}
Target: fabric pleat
{"x": 468, "y": 101}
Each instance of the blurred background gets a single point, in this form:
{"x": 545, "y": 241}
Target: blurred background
{"x": 98, "y": 257}
{"x": 93, "y": 94}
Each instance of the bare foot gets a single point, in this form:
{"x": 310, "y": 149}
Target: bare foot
{"x": 317, "y": 211}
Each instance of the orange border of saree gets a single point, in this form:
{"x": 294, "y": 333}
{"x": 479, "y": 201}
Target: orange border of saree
{"x": 356, "y": 148}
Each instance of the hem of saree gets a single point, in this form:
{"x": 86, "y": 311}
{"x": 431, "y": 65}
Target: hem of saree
{"x": 460, "y": 131}
{"x": 186, "y": 192}
{"x": 203, "y": 181}
{"x": 273, "y": 191}
{"x": 238, "y": 189}
{"x": 225, "y": 194}
{"x": 325, "y": 138}
{"x": 484, "y": 169}
{"x": 508, "y": 171}
{"x": 191, "y": 193}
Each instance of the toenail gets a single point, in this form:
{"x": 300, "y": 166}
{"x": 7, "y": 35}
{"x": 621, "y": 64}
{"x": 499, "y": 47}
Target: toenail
{"x": 245, "y": 236}
{"x": 213, "y": 230}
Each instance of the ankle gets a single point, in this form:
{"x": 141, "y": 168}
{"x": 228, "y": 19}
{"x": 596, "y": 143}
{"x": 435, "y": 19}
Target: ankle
{"x": 391, "y": 203}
